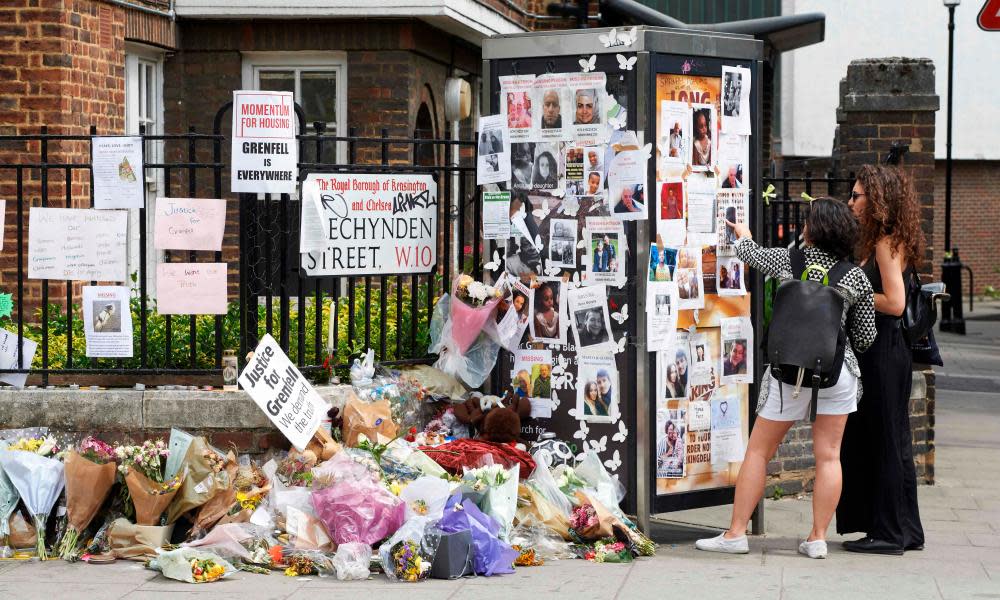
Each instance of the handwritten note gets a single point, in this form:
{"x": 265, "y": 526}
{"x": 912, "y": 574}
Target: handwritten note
{"x": 8, "y": 358}
{"x": 189, "y": 223}
{"x": 73, "y": 243}
{"x": 191, "y": 288}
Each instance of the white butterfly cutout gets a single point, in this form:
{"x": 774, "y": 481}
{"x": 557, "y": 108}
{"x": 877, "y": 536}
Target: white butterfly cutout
{"x": 521, "y": 213}
{"x": 559, "y": 193}
{"x": 583, "y": 432}
{"x": 538, "y": 243}
{"x": 600, "y": 445}
{"x": 595, "y": 205}
{"x": 555, "y": 400}
{"x": 627, "y": 39}
{"x": 622, "y": 434}
{"x": 610, "y": 39}
{"x": 575, "y": 281}
{"x": 614, "y": 413}
{"x": 588, "y": 64}
{"x": 614, "y": 462}
{"x": 647, "y": 151}
{"x": 618, "y": 122}
{"x": 552, "y": 270}
{"x": 622, "y": 316}
{"x": 621, "y": 344}
{"x": 542, "y": 211}
{"x": 494, "y": 264}
{"x": 573, "y": 413}
{"x": 581, "y": 244}
{"x": 569, "y": 209}
{"x": 563, "y": 361}
{"x": 626, "y": 64}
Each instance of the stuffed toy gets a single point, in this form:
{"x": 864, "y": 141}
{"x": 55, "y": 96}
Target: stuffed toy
{"x": 322, "y": 446}
{"x": 497, "y": 420}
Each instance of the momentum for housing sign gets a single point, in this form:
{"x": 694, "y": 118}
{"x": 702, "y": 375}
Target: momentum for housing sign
{"x": 265, "y": 155}
{"x": 384, "y": 224}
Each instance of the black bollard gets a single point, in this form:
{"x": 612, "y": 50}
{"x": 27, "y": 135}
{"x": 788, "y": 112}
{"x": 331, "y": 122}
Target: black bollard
{"x": 951, "y": 311}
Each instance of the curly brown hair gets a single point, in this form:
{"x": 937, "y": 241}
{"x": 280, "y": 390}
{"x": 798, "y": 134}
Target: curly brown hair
{"x": 891, "y": 210}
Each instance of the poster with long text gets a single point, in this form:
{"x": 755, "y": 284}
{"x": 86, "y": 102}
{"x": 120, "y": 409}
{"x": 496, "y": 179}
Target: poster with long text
{"x": 265, "y": 155}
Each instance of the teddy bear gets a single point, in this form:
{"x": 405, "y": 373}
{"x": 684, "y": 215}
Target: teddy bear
{"x": 497, "y": 420}
{"x": 322, "y": 446}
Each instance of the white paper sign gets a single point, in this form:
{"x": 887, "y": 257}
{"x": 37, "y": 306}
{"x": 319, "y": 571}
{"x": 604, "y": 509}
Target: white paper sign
{"x": 699, "y": 415}
{"x": 627, "y": 185}
{"x": 736, "y": 100}
{"x": 375, "y": 224}
{"x": 496, "y": 215}
{"x": 662, "y": 304}
{"x": 280, "y": 390}
{"x": 588, "y": 311}
{"x": 191, "y": 288}
{"x": 74, "y": 243}
{"x": 265, "y": 152}
{"x": 8, "y": 358}
{"x": 494, "y": 150}
{"x": 107, "y": 321}
{"x": 734, "y": 160}
{"x": 727, "y": 434}
{"x": 118, "y": 172}
{"x": 675, "y": 144}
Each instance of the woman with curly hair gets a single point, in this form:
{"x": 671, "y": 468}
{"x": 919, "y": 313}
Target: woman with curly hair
{"x": 880, "y": 482}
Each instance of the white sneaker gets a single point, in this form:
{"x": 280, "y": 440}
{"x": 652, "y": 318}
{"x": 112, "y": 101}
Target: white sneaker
{"x": 813, "y": 549}
{"x": 721, "y": 543}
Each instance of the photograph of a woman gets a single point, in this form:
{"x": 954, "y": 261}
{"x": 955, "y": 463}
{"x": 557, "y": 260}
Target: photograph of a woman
{"x": 546, "y": 173}
{"x": 701, "y": 148}
{"x": 593, "y": 404}
{"x": 673, "y": 386}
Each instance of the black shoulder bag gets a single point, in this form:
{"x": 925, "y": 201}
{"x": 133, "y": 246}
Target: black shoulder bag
{"x": 919, "y": 318}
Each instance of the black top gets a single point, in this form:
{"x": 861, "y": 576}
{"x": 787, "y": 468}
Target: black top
{"x": 874, "y": 276}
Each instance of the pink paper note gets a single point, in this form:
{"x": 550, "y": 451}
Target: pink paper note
{"x": 189, "y": 223}
{"x": 191, "y": 288}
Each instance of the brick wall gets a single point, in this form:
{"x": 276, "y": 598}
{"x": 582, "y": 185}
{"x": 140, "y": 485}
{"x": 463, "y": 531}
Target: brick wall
{"x": 975, "y": 220}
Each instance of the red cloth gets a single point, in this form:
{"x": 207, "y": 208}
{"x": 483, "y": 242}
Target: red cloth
{"x": 467, "y": 452}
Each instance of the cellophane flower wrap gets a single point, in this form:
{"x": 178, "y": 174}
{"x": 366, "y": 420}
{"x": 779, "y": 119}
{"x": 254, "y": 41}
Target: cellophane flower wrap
{"x": 491, "y": 556}
{"x": 358, "y": 511}
{"x": 39, "y": 480}
{"x": 8, "y": 502}
{"x": 409, "y": 553}
{"x": 88, "y": 483}
{"x": 499, "y": 488}
{"x": 472, "y": 366}
{"x": 191, "y": 565}
{"x": 472, "y": 304}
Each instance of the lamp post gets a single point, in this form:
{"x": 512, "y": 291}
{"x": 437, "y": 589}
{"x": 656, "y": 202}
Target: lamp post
{"x": 951, "y": 267}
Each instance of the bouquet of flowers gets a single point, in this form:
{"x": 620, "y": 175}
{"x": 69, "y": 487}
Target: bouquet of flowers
{"x": 90, "y": 473}
{"x": 590, "y": 520}
{"x": 39, "y": 480}
{"x": 609, "y": 551}
{"x": 409, "y": 553}
{"x": 491, "y": 556}
{"x": 473, "y": 303}
{"x": 192, "y": 566}
{"x": 42, "y": 445}
{"x": 408, "y": 563}
{"x": 142, "y": 469}
{"x": 499, "y": 488}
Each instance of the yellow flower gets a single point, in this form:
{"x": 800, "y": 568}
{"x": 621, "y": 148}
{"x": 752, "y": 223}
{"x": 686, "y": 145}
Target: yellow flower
{"x": 395, "y": 488}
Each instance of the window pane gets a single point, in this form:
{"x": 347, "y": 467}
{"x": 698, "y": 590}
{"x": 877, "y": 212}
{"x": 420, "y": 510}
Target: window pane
{"x": 277, "y": 81}
{"x": 150, "y": 92}
{"x": 319, "y": 96}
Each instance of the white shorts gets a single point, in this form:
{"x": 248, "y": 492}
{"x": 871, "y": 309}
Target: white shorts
{"x": 841, "y": 399}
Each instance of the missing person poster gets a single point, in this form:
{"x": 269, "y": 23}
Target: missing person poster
{"x": 732, "y": 208}
{"x": 737, "y": 350}
{"x": 588, "y": 310}
{"x": 736, "y": 100}
{"x": 671, "y": 443}
{"x": 531, "y": 378}
{"x": 673, "y": 368}
{"x": 265, "y": 152}
{"x": 688, "y": 276}
{"x": 280, "y": 390}
{"x": 661, "y": 314}
{"x": 704, "y": 133}
{"x": 627, "y": 185}
{"x": 596, "y": 386}
{"x": 376, "y": 224}
{"x": 730, "y": 276}
{"x": 675, "y": 139}
{"x": 107, "y": 321}
{"x": 734, "y": 160}
{"x": 494, "y": 150}
{"x": 672, "y": 227}
{"x": 588, "y": 97}
{"x": 604, "y": 238}
{"x": 547, "y": 305}
{"x": 517, "y": 104}
{"x": 118, "y": 172}
{"x": 553, "y": 96}
{"x": 76, "y": 243}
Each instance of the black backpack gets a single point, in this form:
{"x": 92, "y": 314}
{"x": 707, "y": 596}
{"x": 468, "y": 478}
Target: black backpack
{"x": 806, "y": 337}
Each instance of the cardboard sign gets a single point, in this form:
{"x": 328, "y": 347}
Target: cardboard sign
{"x": 280, "y": 390}
{"x": 265, "y": 153}
{"x": 72, "y": 243}
{"x": 189, "y": 224}
{"x": 191, "y": 288}
{"x": 375, "y": 224}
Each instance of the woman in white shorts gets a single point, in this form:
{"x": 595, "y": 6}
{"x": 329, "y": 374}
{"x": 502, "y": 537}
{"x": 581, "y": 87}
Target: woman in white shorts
{"x": 830, "y": 235}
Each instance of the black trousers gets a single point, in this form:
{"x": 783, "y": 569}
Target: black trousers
{"x": 879, "y": 497}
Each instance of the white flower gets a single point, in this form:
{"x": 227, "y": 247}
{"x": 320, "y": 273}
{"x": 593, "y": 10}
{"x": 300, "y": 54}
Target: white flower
{"x": 478, "y": 291}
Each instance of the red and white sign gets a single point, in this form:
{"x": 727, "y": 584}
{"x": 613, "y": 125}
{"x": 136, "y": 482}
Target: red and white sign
{"x": 989, "y": 16}
{"x": 384, "y": 224}
{"x": 265, "y": 153}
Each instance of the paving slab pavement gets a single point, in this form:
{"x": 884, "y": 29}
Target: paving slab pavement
{"x": 961, "y": 517}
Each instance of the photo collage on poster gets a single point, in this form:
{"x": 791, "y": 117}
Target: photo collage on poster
{"x": 696, "y": 284}
{"x": 557, "y": 164}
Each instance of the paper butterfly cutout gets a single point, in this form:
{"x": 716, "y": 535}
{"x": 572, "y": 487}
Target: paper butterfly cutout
{"x": 584, "y": 430}
{"x": 610, "y": 38}
{"x": 647, "y": 151}
{"x": 626, "y": 64}
{"x": 600, "y": 445}
{"x": 622, "y": 316}
{"x": 543, "y": 211}
{"x": 494, "y": 264}
{"x": 618, "y": 122}
{"x": 614, "y": 462}
{"x": 621, "y": 344}
{"x": 588, "y": 64}
{"x": 552, "y": 270}
{"x": 622, "y": 434}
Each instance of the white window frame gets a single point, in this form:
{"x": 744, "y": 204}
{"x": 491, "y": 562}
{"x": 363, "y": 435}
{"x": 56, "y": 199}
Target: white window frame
{"x": 137, "y": 58}
{"x": 255, "y": 62}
